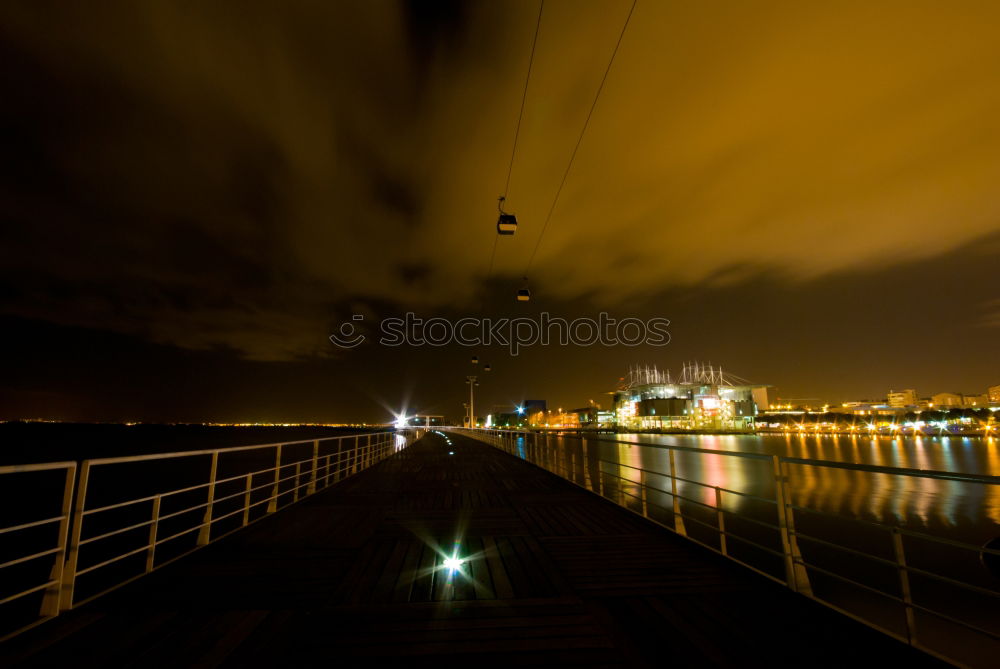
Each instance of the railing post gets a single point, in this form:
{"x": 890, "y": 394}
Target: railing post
{"x": 50, "y": 602}
{"x": 153, "y": 527}
{"x": 796, "y": 576}
{"x": 721, "y": 518}
{"x": 272, "y": 504}
{"x": 73, "y": 550}
{"x": 205, "y": 533}
{"x": 367, "y": 462}
{"x": 678, "y": 518}
{"x": 326, "y": 477}
{"x": 246, "y": 500}
{"x": 904, "y": 585}
{"x": 354, "y": 456}
{"x": 311, "y": 488}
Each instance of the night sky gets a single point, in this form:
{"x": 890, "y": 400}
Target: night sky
{"x": 193, "y": 196}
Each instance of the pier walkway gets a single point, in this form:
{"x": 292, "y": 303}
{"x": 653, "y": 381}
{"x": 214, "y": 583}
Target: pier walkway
{"x": 355, "y": 575}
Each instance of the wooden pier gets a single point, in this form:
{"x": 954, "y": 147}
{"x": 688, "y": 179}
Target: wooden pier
{"x": 552, "y": 576}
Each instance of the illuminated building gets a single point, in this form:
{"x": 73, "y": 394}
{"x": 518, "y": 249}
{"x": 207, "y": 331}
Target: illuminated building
{"x": 703, "y": 399}
{"x": 994, "y": 394}
{"x": 902, "y": 398}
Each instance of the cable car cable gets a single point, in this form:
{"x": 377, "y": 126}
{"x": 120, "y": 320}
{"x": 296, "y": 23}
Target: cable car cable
{"x": 517, "y": 129}
{"x": 524, "y": 97}
{"x": 586, "y": 123}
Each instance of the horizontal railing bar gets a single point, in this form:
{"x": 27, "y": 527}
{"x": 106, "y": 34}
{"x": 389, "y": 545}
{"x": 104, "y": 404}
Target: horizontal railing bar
{"x": 894, "y": 471}
{"x": 738, "y": 537}
{"x": 81, "y": 572}
{"x": 685, "y": 449}
{"x": 174, "y": 514}
{"x": 686, "y": 480}
{"x": 946, "y": 579}
{"x": 882, "y": 526}
{"x": 36, "y": 467}
{"x": 664, "y": 492}
{"x": 957, "y": 621}
{"x": 230, "y": 479}
{"x": 181, "y": 533}
{"x": 84, "y": 542}
{"x": 23, "y": 593}
{"x": 26, "y": 558}
{"x": 737, "y": 514}
{"x": 853, "y": 551}
{"x": 747, "y": 518}
{"x": 226, "y": 515}
{"x": 948, "y": 542}
{"x": 36, "y": 523}
{"x": 845, "y": 579}
{"x": 118, "y": 505}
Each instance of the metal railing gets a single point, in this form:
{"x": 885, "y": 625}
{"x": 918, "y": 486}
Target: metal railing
{"x": 49, "y": 530}
{"x": 811, "y": 565}
{"x": 131, "y": 515}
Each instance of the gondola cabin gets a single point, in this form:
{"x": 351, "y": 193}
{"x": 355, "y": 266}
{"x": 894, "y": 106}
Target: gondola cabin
{"x": 506, "y": 224}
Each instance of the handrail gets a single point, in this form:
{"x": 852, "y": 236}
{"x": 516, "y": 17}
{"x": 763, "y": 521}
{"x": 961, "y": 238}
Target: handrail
{"x": 227, "y": 449}
{"x": 632, "y": 493}
{"x": 51, "y": 587}
{"x": 331, "y": 460}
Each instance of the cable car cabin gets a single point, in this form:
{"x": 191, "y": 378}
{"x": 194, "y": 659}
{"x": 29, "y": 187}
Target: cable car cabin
{"x": 475, "y": 360}
{"x": 523, "y": 295}
{"x": 506, "y": 224}
{"x": 487, "y": 368}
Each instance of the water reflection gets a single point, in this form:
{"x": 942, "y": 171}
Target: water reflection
{"x": 967, "y": 510}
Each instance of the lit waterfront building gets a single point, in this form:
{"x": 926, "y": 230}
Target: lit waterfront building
{"x": 946, "y": 400}
{"x": 702, "y": 399}
{"x": 955, "y": 400}
{"x": 993, "y": 392}
{"x": 902, "y": 398}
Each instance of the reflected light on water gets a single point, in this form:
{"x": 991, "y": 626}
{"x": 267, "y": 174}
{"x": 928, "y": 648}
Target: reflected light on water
{"x": 969, "y": 506}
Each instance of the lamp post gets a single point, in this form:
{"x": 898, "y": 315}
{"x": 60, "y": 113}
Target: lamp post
{"x": 471, "y": 380}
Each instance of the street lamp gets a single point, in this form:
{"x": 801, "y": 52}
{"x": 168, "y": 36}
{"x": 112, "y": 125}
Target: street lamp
{"x": 471, "y": 380}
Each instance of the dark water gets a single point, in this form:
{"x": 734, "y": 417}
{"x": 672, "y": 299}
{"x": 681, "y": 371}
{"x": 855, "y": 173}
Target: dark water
{"x": 50, "y": 442}
{"x": 971, "y": 509}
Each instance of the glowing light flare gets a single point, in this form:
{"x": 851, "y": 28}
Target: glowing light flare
{"x": 453, "y": 563}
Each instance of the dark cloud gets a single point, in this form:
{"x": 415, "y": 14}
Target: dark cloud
{"x": 234, "y": 179}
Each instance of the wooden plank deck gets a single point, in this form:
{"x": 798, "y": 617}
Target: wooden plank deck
{"x": 555, "y": 576}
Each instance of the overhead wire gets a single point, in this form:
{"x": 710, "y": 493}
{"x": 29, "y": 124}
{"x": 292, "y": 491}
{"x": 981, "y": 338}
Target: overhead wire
{"x": 579, "y": 140}
{"x": 517, "y": 129}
